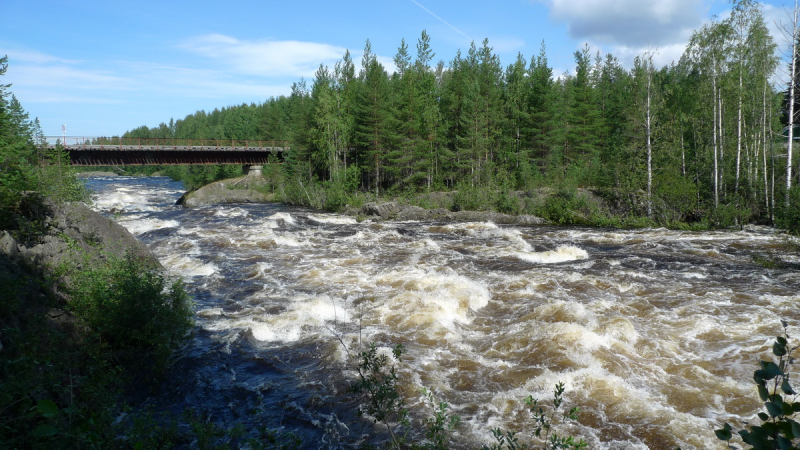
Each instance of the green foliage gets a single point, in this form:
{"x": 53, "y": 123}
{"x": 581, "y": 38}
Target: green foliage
{"x": 568, "y": 206}
{"x": 61, "y": 383}
{"x": 381, "y": 399}
{"x": 18, "y": 158}
{"x": 471, "y": 122}
{"x": 789, "y": 217}
{"x": 508, "y": 203}
{"x": 729, "y": 215}
{"x": 441, "y": 425}
{"x": 546, "y": 419}
{"x": 196, "y": 176}
{"x": 57, "y": 181}
{"x": 54, "y": 389}
{"x": 676, "y": 199}
{"x": 779, "y": 428}
{"x": 471, "y": 198}
{"x": 377, "y": 385}
{"x": 130, "y": 308}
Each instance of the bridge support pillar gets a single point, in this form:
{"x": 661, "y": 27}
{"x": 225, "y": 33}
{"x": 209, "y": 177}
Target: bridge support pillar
{"x": 252, "y": 170}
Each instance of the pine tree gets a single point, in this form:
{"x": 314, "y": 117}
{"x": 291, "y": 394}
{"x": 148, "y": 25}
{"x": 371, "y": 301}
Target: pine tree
{"x": 582, "y": 140}
{"x": 17, "y": 152}
{"x": 374, "y": 133}
{"x": 428, "y": 120}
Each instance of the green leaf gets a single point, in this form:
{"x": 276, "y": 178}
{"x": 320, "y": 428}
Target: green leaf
{"x": 45, "y": 430}
{"x": 46, "y": 408}
{"x": 778, "y": 349}
{"x": 795, "y": 428}
{"x": 763, "y": 393}
{"x": 725, "y": 433}
{"x": 785, "y": 444}
{"x": 787, "y": 408}
{"x": 763, "y": 416}
{"x": 773, "y": 409}
{"x": 771, "y": 368}
{"x": 786, "y": 387}
{"x": 761, "y": 376}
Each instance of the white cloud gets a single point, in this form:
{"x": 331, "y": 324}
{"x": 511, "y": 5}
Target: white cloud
{"x": 635, "y": 23}
{"x": 27, "y": 56}
{"x": 506, "y": 44}
{"x": 41, "y": 78}
{"x": 662, "y": 56}
{"x": 265, "y": 58}
{"x": 65, "y": 76}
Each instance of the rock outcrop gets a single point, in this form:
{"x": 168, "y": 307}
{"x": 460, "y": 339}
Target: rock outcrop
{"x": 69, "y": 234}
{"x": 72, "y": 234}
{"x": 95, "y": 174}
{"x": 395, "y": 211}
{"x": 234, "y": 190}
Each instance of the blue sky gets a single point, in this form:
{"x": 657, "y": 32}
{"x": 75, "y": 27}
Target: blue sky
{"x": 102, "y": 68}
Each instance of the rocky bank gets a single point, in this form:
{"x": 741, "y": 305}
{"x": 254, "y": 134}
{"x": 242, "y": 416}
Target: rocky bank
{"x": 392, "y": 210}
{"x": 245, "y": 190}
{"x": 60, "y": 234}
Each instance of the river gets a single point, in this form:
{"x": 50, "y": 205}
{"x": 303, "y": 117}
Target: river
{"x": 655, "y": 333}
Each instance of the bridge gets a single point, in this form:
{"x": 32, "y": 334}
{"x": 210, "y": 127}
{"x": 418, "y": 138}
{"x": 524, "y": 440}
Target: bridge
{"x": 125, "y": 151}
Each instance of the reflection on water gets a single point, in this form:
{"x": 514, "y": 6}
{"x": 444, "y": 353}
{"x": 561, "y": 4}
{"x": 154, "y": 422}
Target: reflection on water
{"x": 654, "y": 332}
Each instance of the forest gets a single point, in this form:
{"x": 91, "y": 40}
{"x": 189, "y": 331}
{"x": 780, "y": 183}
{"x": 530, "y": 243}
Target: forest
{"x": 702, "y": 137}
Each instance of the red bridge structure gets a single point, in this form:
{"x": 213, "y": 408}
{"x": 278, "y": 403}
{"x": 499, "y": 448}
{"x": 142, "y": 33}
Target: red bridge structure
{"x": 125, "y": 151}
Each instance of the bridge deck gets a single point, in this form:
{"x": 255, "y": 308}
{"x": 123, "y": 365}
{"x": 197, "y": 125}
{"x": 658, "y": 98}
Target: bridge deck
{"x": 139, "y": 151}
{"x": 157, "y": 148}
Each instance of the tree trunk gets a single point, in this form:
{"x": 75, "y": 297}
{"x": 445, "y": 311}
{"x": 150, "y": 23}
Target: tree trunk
{"x": 716, "y": 151}
{"x": 792, "y": 83}
{"x": 649, "y": 146}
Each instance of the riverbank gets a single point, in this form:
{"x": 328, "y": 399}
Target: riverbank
{"x": 86, "y": 319}
{"x": 575, "y": 206}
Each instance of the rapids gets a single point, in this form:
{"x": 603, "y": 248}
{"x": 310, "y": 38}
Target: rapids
{"x": 655, "y": 333}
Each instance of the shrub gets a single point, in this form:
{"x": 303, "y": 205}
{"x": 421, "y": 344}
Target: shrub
{"x": 377, "y": 386}
{"x": 779, "y": 428}
{"x": 675, "y": 198}
{"x": 471, "y": 198}
{"x": 129, "y": 307}
{"x": 508, "y": 203}
{"x": 789, "y": 217}
{"x": 546, "y": 421}
{"x": 729, "y": 215}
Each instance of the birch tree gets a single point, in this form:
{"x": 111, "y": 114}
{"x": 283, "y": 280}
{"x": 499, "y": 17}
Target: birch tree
{"x": 791, "y": 34}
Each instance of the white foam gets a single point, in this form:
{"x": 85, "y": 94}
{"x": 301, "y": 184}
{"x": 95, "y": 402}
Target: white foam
{"x": 334, "y": 220}
{"x": 560, "y": 254}
{"x": 210, "y": 312}
{"x": 287, "y": 241}
{"x": 282, "y": 216}
{"x": 428, "y": 244}
{"x": 231, "y": 212}
{"x": 693, "y": 275}
{"x": 305, "y": 316}
{"x": 141, "y": 226}
{"x": 189, "y": 267}
{"x": 430, "y": 297}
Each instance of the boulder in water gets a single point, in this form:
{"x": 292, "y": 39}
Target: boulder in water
{"x": 234, "y": 190}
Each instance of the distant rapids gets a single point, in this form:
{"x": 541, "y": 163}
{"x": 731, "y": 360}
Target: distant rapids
{"x": 655, "y": 333}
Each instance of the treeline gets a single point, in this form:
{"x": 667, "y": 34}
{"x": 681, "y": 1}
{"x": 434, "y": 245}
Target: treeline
{"x": 27, "y": 167}
{"x": 701, "y": 137}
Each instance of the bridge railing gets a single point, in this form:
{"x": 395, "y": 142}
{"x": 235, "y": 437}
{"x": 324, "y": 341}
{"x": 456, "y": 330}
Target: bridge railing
{"x": 127, "y": 143}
